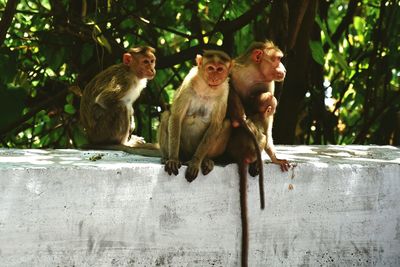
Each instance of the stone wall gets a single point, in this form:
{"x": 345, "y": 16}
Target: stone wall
{"x": 337, "y": 206}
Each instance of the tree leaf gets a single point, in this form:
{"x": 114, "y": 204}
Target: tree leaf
{"x": 12, "y": 102}
{"x": 70, "y": 109}
{"x": 317, "y": 52}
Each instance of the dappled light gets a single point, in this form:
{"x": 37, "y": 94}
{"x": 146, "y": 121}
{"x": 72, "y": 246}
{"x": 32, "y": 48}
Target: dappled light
{"x": 61, "y": 158}
{"x": 342, "y": 84}
{"x": 342, "y": 154}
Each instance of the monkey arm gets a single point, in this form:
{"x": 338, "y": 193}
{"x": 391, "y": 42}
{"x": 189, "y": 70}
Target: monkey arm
{"x": 270, "y": 147}
{"x": 212, "y": 132}
{"x": 108, "y": 98}
{"x": 235, "y": 108}
{"x": 174, "y": 130}
{"x": 178, "y": 112}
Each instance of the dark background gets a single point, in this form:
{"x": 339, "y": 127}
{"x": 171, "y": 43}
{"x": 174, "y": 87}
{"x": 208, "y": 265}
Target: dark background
{"x": 342, "y": 60}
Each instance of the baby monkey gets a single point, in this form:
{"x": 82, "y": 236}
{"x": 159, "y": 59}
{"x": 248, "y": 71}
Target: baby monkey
{"x": 106, "y": 110}
{"x": 195, "y": 130}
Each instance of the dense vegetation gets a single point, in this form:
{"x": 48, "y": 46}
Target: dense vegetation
{"x": 342, "y": 59}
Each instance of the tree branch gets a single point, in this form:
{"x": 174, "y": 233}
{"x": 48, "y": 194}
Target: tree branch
{"x": 295, "y": 28}
{"x": 187, "y": 54}
{"x": 223, "y": 26}
{"x": 243, "y": 20}
{"x": 346, "y": 21}
{"x": 7, "y": 18}
{"x": 220, "y": 18}
{"x": 44, "y": 104}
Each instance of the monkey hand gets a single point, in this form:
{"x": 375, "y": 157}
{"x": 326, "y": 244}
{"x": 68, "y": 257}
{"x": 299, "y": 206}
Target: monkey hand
{"x": 283, "y": 163}
{"x": 192, "y": 170}
{"x": 237, "y": 122}
{"x": 207, "y": 165}
{"x": 172, "y": 166}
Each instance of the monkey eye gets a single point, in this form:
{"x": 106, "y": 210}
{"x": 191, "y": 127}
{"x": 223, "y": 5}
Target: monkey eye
{"x": 220, "y": 69}
{"x": 210, "y": 69}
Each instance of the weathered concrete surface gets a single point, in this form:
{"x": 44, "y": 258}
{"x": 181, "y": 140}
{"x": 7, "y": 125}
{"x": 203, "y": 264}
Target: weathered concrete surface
{"x": 338, "y": 206}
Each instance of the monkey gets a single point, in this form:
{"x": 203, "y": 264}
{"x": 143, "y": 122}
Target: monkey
{"x": 251, "y": 107}
{"x": 106, "y": 111}
{"x": 195, "y": 130}
{"x": 253, "y": 79}
{"x": 244, "y": 148}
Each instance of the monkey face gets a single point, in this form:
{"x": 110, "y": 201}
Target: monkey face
{"x": 145, "y": 66}
{"x": 272, "y": 67}
{"x": 215, "y": 73}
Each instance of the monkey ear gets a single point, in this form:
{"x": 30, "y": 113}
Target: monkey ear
{"x": 199, "y": 60}
{"x": 257, "y": 55}
{"x": 231, "y": 64}
{"x": 127, "y": 59}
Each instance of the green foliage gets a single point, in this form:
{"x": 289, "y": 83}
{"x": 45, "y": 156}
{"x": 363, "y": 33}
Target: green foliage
{"x": 317, "y": 52}
{"x": 54, "y": 47}
{"x": 12, "y": 101}
{"x": 362, "y": 70}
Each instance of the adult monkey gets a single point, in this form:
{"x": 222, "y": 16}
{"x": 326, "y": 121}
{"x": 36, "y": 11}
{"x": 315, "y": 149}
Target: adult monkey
{"x": 253, "y": 78}
{"x": 195, "y": 130}
{"x": 106, "y": 110}
{"x": 251, "y": 108}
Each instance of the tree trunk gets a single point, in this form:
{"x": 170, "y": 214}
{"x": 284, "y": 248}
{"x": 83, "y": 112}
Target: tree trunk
{"x": 297, "y": 80}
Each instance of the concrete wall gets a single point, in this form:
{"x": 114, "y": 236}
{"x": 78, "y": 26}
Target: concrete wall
{"x": 337, "y": 206}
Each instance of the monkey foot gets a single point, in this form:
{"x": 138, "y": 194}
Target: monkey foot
{"x": 172, "y": 166}
{"x": 134, "y": 139}
{"x": 191, "y": 172}
{"x": 207, "y": 166}
{"x": 253, "y": 169}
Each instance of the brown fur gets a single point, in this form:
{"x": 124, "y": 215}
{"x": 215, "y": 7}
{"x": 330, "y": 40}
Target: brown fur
{"x": 195, "y": 130}
{"x": 106, "y": 110}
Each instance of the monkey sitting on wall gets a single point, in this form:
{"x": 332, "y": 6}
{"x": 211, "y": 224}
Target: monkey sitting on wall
{"x": 106, "y": 110}
{"x": 251, "y": 108}
{"x": 253, "y": 79}
{"x": 195, "y": 130}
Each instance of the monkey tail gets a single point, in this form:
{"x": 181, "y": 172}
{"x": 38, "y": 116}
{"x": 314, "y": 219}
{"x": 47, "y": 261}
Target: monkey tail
{"x": 259, "y": 164}
{"x": 142, "y": 151}
{"x": 148, "y": 150}
{"x": 243, "y": 210}
{"x": 260, "y": 177}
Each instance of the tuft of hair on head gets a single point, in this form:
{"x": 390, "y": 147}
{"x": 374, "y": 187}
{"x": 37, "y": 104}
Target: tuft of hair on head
{"x": 141, "y": 50}
{"x": 209, "y": 54}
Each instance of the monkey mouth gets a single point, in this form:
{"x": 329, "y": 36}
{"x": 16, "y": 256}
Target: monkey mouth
{"x": 150, "y": 76}
{"x": 214, "y": 83}
{"x": 280, "y": 77}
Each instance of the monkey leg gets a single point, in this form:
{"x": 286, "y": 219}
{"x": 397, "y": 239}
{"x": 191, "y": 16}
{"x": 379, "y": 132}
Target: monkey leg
{"x": 207, "y": 165}
{"x": 163, "y": 136}
{"x": 109, "y": 126}
{"x": 171, "y": 166}
{"x": 221, "y": 140}
{"x": 218, "y": 148}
